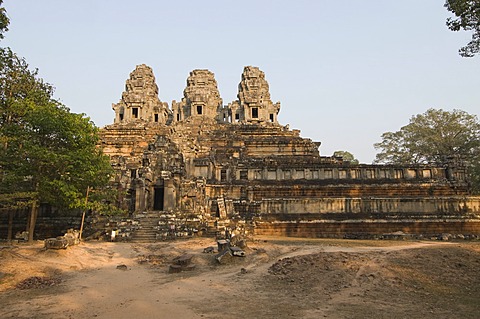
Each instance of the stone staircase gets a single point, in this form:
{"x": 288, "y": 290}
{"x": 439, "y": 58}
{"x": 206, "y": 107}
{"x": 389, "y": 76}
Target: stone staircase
{"x": 147, "y": 232}
{"x": 159, "y": 225}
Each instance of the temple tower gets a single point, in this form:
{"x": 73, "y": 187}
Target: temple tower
{"x": 140, "y": 100}
{"x": 200, "y": 97}
{"x": 254, "y": 103}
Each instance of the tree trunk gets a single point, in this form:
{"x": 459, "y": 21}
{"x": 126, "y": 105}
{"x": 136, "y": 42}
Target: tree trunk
{"x": 10, "y": 226}
{"x": 28, "y": 220}
{"x": 32, "y": 221}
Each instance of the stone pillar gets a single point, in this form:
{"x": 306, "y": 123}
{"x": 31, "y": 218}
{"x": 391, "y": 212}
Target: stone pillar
{"x": 139, "y": 195}
{"x": 169, "y": 197}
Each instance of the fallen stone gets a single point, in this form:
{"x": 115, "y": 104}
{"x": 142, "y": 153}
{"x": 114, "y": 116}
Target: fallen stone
{"x": 181, "y": 263}
{"x": 56, "y": 243}
{"x": 179, "y": 268}
{"x": 445, "y": 237}
{"x": 241, "y": 243}
{"x": 183, "y": 260}
{"x": 209, "y": 250}
{"x": 122, "y": 267}
{"x": 174, "y": 269}
{"x": 223, "y": 244}
{"x": 236, "y": 251}
{"x": 224, "y": 256}
{"x": 72, "y": 237}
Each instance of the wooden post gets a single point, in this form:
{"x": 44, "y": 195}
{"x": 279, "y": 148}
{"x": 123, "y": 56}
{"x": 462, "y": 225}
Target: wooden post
{"x": 32, "y": 221}
{"x": 10, "y": 226}
{"x": 83, "y": 214}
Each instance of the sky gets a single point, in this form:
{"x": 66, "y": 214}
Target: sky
{"x": 344, "y": 71}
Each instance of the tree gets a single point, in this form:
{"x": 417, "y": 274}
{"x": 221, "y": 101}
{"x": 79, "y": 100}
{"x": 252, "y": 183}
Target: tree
{"x": 48, "y": 155}
{"x": 435, "y": 137}
{"x": 467, "y": 14}
{"x": 347, "y": 156}
{"x": 4, "y": 21}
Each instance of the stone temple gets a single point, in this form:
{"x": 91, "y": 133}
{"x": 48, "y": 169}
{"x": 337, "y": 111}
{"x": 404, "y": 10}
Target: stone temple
{"x": 234, "y": 165}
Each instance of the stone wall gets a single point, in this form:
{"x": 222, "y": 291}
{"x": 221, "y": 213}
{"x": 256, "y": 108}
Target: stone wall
{"x": 396, "y": 207}
{"x": 367, "y": 229}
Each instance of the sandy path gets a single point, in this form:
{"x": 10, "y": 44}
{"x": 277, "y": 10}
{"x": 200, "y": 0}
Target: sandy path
{"x": 100, "y": 290}
{"x": 108, "y": 292}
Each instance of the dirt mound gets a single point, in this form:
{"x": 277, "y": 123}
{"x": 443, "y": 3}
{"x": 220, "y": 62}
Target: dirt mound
{"x": 415, "y": 283}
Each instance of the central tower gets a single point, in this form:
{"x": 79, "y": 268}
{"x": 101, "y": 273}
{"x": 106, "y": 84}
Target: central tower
{"x": 200, "y": 97}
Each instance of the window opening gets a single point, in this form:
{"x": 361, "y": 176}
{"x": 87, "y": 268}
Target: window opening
{"x": 135, "y": 112}
{"x": 398, "y": 173}
{"x": 244, "y": 175}
{"x": 255, "y": 112}
{"x": 199, "y": 110}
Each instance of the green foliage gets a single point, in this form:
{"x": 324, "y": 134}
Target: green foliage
{"x": 105, "y": 201}
{"x": 467, "y": 14}
{"x": 435, "y": 137}
{"x": 432, "y": 137}
{"x": 4, "y": 21}
{"x": 347, "y": 156}
{"x": 47, "y": 151}
{"x": 17, "y": 200}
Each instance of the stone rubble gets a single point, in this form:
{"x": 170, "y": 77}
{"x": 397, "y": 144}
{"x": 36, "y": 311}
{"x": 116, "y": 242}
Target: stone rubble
{"x": 36, "y": 282}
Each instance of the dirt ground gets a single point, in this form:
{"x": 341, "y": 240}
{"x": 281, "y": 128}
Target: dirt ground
{"x": 279, "y": 278}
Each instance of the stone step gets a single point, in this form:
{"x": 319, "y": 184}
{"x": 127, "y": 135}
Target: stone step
{"x": 143, "y": 240}
{"x": 146, "y": 232}
{"x": 149, "y": 228}
{"x": 153, "y": 235}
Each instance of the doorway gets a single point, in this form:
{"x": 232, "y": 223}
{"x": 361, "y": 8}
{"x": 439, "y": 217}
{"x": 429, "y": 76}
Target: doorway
{"x": 158, "y": 198}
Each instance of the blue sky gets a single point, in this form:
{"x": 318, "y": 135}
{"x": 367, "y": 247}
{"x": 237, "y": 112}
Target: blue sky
{"x": 344, "y": 71}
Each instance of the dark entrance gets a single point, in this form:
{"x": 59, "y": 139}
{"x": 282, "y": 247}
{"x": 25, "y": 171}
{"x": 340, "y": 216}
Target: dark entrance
{"x": 158, "y": 198}
{"x": 131, "y": 197}
{"x": 255, "y": 112}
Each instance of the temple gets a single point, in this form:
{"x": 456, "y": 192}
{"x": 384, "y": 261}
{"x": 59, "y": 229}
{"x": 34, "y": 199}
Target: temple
{"x": 235, "y": 165}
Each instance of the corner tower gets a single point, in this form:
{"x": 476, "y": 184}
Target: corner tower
{"x": 254, "y": 103}
{"x": 140, "y": 100}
